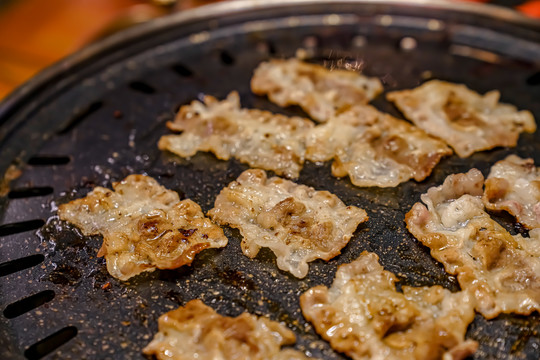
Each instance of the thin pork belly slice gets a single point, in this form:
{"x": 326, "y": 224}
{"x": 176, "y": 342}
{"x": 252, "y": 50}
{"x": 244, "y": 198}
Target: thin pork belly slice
{"x": 258, "y": 138}
{"x": 501, "y": 270}
{"x": 298, "y": 223}
{"x": 196, "y": 331}
{"x": 321, "y": 92}
{"x": 467, "y": 121}
{"x": 513, "y": 185}
{"x": 363, "y": 316}
{"x": 374, "y": 148}
{"x": 144, "y": 226}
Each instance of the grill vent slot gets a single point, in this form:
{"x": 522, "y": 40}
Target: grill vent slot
{"x": 16, "y": 265}
{"x": 226, "y": 58}
{"x": 28, "y": 303}
{"x": 271, "y": 47}
{"x": 19, "y": 227}
{"x": 80, "y": 117}
{"x": 50, "y": 343}
{"x": 48, "y": 160}
{"x": 30, "y": 192}
{"x": 142, "y": 87}
{"x": 182, "y": 70}
{"x": 534, "y": 79}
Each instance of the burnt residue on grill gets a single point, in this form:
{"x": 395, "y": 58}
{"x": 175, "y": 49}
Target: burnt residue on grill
{"x": 175, "y": 297}
{"x": 72, "y": 256}
{"x": 236, "y": 278}
{"x": 103, "y": 121}
{"x": 64, "y": 275}
{"x": 529, "y": 328}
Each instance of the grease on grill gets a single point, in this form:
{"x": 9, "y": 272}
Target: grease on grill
{"x": 64, "y": 275}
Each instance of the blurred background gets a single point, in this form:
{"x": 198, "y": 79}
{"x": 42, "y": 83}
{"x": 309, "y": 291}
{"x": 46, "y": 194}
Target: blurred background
{"x": 36, "y": 33}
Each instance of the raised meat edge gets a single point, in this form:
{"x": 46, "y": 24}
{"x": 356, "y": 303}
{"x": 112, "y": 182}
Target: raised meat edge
{"x": 319, "y": 91}
{"x": 501, "y": 270}
{"x": 144, "y": 226}
{"x": 464, "y": 119}
{"x": 258, "y": 138}
{"x": 298, "y": 223}
{"x": 374, "y": 148}
{"x": 513, "y": 185}
{"x": 363, "y": 316}
{"x": 198, "y": 331}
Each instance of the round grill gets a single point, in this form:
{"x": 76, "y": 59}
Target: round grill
{"x": 96, "y": 118}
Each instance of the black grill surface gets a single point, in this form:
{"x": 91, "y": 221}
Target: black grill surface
{"x": 96, "y": 118}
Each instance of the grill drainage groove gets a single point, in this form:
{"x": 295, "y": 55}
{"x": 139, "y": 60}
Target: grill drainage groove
{"x": 226, "y": 58}
{"x": 80, "y": 117}
{"x": 50, "y": 343}
{"x": 17, "y": 265}
{"x": 48, "y": 160}
{"x": 534, "y": 79}
{"x": 182, "y": 70}
{"x": 142, "y": 87}
{"x": 30, "y": 192}
{"x": 29, "y": 303}
{"x": 19, "y": 227}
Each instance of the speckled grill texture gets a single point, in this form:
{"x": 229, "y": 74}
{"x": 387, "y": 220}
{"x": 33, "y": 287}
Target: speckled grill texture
{"x": 107, "y": 116}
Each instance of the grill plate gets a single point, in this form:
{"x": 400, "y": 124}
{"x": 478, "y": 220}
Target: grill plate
{"x": 96, "y": 117}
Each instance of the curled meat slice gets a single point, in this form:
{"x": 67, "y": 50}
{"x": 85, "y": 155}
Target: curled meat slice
{"x": 363, "y": 316}
{"x": 259, "y": 138}
{"x": 298, "y": 223}
{"x": 144, "y": 226}
{"x": 373, "y": 148}
{"x": 513, "y": 185}
{"x": 466, "y": 120}
{"x": 319, "y": 91}
{"x": 196, "y": 331}
{"x": 502, "y": 271}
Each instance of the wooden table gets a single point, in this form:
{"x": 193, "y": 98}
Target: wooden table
{"x": 36, "y": 33}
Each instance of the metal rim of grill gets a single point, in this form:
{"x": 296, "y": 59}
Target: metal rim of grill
{"x": 95, "y": 117}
